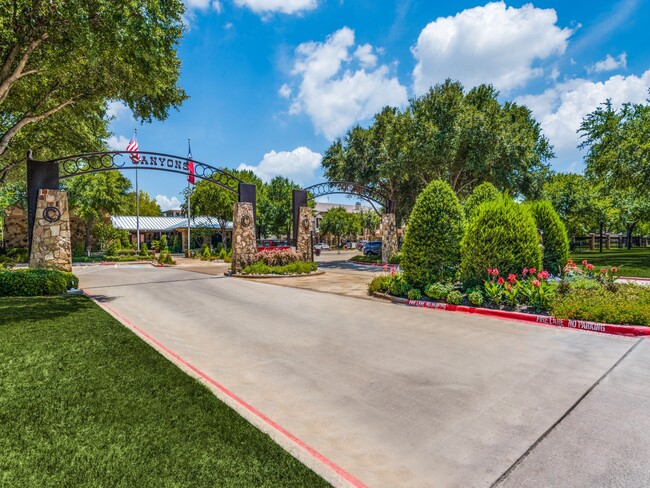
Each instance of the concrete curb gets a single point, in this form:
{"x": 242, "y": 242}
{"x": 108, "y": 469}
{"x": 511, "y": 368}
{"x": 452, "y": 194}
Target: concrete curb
{"x": 545, "y": 320}
{"x": 326, "y": 469}
{"x": 272, "y": 276}
{"x": 378, "y": 265}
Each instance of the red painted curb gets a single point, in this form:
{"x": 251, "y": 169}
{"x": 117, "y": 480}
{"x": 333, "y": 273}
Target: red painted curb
{"x": 161, "y": 348}
{"x": 632, "y": 278}
{"x": 613, "y": 329}
{"x": 375, "y": 264}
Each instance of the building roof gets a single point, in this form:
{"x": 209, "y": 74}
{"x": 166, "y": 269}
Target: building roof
{"x": 324, "y": 207}
{"x": 165, "y": 224}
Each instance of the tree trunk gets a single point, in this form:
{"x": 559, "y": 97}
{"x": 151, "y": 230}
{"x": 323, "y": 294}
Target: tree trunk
{"x": 87, "y": 240}
{"x": 630, "y": 230}
{"x": 601, "y": 239}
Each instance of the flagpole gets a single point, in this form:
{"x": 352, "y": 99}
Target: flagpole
{"x": 137, "y": 201}
{"x": 189, "y": 207}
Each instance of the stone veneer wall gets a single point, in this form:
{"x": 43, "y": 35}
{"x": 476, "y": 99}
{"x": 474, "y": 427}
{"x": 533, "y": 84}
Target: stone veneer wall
{"x": 388, "y": 237}
{"x": 51, "y": 240}
{"x": 14, "y": 228}
{"x": 303, "y": 244}
{"x": 244, "y": 241}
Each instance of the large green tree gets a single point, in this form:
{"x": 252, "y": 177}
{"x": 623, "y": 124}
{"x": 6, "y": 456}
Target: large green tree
{"x": 463, "y": 138}
{"x": 276, "y": 208}
{"x": 61, "y": 61}
{"x": 148, "y": 207}
{"x": 339, "y": 223}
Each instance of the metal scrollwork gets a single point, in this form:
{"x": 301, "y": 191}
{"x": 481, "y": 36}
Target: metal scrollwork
{"x": 370, "y": 195}
{"x": 52, "y": 214}
{"x": 246, "y": 221}
{"x": 305, "y": 224}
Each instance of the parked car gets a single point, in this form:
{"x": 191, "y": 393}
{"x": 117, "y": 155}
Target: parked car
{"x": 372, "y": 248}
{"x": 349, "y": 245}
{"x": 321, "y": 246}
{"x": 270, "y": 244}
{"x": 361, "y": 245}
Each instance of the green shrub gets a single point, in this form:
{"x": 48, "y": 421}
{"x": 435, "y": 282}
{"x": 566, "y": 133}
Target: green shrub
{"x": 144, "y": 250}
{"x": 113, "y": 248}
{"x": 177, "y": 246}
{"x": 165, "y": 257}
{"x": 501, "y": 234}
{"x": 360, "y": 258}
{"x": 395, "y": 258}
{"x": 205, "y": 253}
{"x": 555, "y": 239}
{"x": 222, "y": 253}
{"x": 379, "y": 284}
{"x": 163, "y": 246}
{"x": 299, "y": 267}
{"x": 431, "y": 249}
{"x": 485, "y": 192}
{"x": 438, "y": 291}
{"x": 155, "y": 245}
{"x": 18, "y": 254}
{"x": 475, "y": 297}
{"x": 454, "y": 298}
{"x": 78, "y": 250}
{"x": 414, "y": 294}
{"x": 36, "y": 282}
{"x": 219, "y": 248}
{"x": 630, "y": 304}
{"x": 398, "y": 286}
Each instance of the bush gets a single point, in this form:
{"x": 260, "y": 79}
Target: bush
{"x": 163, "y": 246}
{"x": 177, "y": 246}
{"x": 18, "y": 254}
{"x": 485, "y": 192}
{"x": 219, "y": 248}
{"x": 555, "y": 239}
{"x": 431, "y": 249}
{"x": 395, "y": 258}
{"x": 222, "y": 253}
{"x": 630, "y": 304}
{"x": 398, "y": 286}
{"x": 501, "y": 234}
{"x": 475, "y": 297}
{"x": 360, "y": 258}
{"x": 113, "y": 248}
{"x": 36, "y": 282}
{"x": 278, "y": 257}
{"x": 414, "y": 294}
{"x": 454, "y": 298}
{"x": 299, "y": 267}
{"x": 206, "y": 255}
{"x": 379, "y": 284}
{"x": 78, "y": 250}
{"x": 438, "y": 291}
{"x": 165, "y": 257}
{"x": 144, "y": 250}
{"x": 6, "y": 262}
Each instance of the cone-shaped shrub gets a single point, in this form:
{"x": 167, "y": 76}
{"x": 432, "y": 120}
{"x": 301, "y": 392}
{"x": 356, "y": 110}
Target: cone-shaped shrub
{"x": 554, "y": 236}
{"x": 431, "y": 250}
{"x": 485, "y": 192}
{"x": 503, "y": 235}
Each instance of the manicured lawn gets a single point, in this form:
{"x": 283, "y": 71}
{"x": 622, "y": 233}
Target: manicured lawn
{"x": 635, "y": 262}
{"x": 84, "y": 402}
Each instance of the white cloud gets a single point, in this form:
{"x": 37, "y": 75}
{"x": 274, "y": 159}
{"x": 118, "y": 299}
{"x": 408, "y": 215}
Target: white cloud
{"x": 298, "y": 165}
{"x": 117, "y": 143}
{"x": 365, "y": 55}
{"x": 609, "y": 64}
{"x": 282, "y": 6}
{"x": 560, "y": 109}
{"x": 167, "y": 203}
{"x": 332, "y": 92}
{"x": 118, "y": 111}
{"x": 203, "y": 5}
{"x": 490, "y": 44}
{"x": 285, "y": 91}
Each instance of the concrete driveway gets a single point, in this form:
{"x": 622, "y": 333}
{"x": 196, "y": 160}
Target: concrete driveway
{"x": 403, "y": 396}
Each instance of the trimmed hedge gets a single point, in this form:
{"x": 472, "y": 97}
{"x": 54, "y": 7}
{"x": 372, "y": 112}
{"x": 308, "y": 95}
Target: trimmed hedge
{"x": 431, "y": 249}
{"x": 35, "y": 282}
{"x": 299, "y": 267}
{"x": 502, "y": 235}
{"x": 485, "y": 192}
{"x": 554, "y": 236}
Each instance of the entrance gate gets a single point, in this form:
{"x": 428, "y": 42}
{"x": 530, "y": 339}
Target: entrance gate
{"x": 302, "y": 219}
{"x": 48, "y": 219}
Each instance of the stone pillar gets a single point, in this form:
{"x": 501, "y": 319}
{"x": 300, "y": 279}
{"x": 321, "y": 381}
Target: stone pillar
{"x": 388, "y": 237}
{"x": 592, "y": 242}
{"x": 51, "y": 233}
{"x": 14, "y": 227}
{"x": 244, "y": 244}
{"x": 303, "y": 242}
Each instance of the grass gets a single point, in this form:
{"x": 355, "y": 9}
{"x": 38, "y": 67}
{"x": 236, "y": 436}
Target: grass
{"x": 85, "y": 402}
{"x": 634, "y": 262}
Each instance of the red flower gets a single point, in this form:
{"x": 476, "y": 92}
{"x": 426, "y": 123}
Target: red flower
{"x": 614, "y": 270}
{"x": 570, "y": 261}
{"x": 543, "y": 275}
{"x": 604, "y": 271}
{"x": 590, "y": 266}
{"x": 508, "y": 287}
{"x": 490, "y": 271}
{"x": 392, "y": 271}
{"x": 501, "y": 281}
{"x": 495, "y": 272}
{"x": 532, "y": 271}
{"x": 536, "y": 283}
{"x": 525, "y": 271}
{"x": 512, "y": 278}
{"x": 585, "y": 263}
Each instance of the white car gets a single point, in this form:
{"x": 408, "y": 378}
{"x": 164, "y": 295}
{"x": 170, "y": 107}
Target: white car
{"x": 321, "y": 246}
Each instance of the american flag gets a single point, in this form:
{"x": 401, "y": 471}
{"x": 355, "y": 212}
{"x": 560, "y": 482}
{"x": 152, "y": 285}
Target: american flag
{"x": 190, "y": 164}
{"x": 132, "y": 147}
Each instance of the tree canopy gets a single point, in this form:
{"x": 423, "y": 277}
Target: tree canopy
{"x": 62, "y": 61}
{"x": 148, "y": 206}
{"x": 463, "y": 138}
{"x": 338, "y": 223}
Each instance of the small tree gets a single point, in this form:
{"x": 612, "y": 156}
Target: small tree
{"x": 431, "y": 250}
{"x": 554, "y": 235}
{"x": 337, "y": 222}
{"x": 503, "y": 235}
{"x": 482, "y": 193}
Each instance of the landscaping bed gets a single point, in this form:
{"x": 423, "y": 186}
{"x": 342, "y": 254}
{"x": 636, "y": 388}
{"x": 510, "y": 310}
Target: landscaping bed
{"x": 634, "y": 263}
{"x": 85, "y": 402}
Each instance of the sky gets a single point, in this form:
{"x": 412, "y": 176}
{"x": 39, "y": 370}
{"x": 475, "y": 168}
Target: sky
{"x": 272, "y": 83}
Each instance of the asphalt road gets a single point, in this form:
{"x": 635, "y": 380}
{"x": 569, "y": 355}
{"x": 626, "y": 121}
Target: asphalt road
{"x": 403, "y": 396}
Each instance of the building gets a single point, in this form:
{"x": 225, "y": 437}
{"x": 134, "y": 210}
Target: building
{"x": 202, "y": 229}
{"x": 174, "y": 212}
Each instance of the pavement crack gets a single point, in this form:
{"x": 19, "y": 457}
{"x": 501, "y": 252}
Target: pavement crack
{"x": 519, "y": 460}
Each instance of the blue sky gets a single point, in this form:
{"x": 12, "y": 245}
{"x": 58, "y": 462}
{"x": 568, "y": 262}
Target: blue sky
{"x": 273, "y": 82}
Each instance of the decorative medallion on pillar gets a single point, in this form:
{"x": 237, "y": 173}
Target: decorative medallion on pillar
{"x": 388, "y": 237}
{"x": 244, "y": 243}
{"x": 303, "y": 241}
{"x": 51, "y": 246}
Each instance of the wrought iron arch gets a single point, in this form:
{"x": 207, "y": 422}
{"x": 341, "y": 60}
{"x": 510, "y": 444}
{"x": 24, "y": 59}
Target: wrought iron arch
{"x": 80, "y": 164}
{"x": 370, "y": 195}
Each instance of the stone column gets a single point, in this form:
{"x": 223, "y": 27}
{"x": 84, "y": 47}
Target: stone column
{"x": 244, "y": 244}
{"x": 592, "y": 242}
{"x": 303, "y": 243}
{"x": 388, "y": 237}
{"x": 14, "y": 227}
{"x": 51, "y": 234}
